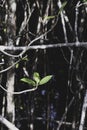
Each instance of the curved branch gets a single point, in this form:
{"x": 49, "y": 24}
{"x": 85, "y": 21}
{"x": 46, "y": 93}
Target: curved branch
{"x": 8, "y": 54}
{"x": 20, "y": 92}
{"x": 8, "y": 68}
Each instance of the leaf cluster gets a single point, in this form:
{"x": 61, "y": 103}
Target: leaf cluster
{"x": 36, "y": 81}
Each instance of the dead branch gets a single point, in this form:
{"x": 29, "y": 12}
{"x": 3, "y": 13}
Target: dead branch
{"x": 7, "y": 123}
{"x": 34, "y": 47}
{"x": 83, "y": 114}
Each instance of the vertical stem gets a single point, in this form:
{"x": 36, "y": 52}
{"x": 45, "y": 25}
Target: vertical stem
{"x": 83, "y": 114}
{"x": 76, "y": 22}
{"x": 63, "y": 22}
{"x": 32, "y": 114}
{"x": 48, "y": 112}
{"x": 11, "y": 32}
{"x": 3, "y": 109}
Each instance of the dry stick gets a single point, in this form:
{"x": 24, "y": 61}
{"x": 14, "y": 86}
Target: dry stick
{"x": 64, "y": 28}
{"x": 71, "y": 29}
{"x": 66, "y": 41}
{"x": 34, "y": 47}
{"x": 10, "y": 67}
{"x": 67, "y": 21}
{"x": 8, "y": 54}
{"x": 11, "y": 48}
{"x": 83, "y": 114}
{"x": 63, "y": 22}
{"x": 67, "y": 108}
{"x": 55, "y": 121}
{"x": 39, "y": 37}
{"x": 64, "y": 123}
{"x": 38, "y": 47}
{"x": 79, "y": 5}
{"x": 20, "y": 92}
{"x": 69, "y": 72}
{"x": 34, "y": 40}
{"x": 26, "y": 20}
{"x": 77, "y": 42}
{"x": 76, "y": 22}
{"x": 2, "y": 4}
{"x": 72, "y": 56}
{"x": 45, "y": 29}
{"x": 39, "y": 18}
{"x": 8, "y": 124}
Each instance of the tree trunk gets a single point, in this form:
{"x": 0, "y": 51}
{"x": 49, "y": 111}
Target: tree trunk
{"x": 11, "y": 31}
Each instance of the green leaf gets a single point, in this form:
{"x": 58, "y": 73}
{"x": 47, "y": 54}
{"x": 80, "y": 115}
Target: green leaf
{"x": 84, "y": 0}
{"x": 28, "y": 81}
{"x": 45, "y": 79}
{"x": 5, "y": 30}
{"x": 49, "y": 17}
{"x": 25, "y": 58}
{"x": 36, "y": 77}
{"x": 17, "y": 65}
{"x": 62, "y": 7}
{"x": 21, "y": 107}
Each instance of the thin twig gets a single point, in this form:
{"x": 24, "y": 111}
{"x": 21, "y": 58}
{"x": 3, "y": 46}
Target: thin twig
{"x": 63, "y": 22}
{"x": 76, "y": 22}
{"x": 83, "y": 114}
{"x": 26, "y": 20}
{"x": 79, "y": 5}
{"x": 20, "y": 92}
{"x": 63, "y": 117}
{"x": 8, "y": 68}
{"x": 34, "y": 47}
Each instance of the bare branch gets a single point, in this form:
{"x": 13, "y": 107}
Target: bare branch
{"x": 79, "y": 5}
{"x": 83, "y": 114}
{"x": 34, "y": 47}
{"x": 10, "y": 67}
{"x": 20, "y": 92}
{"x": 26, "y": 20}
{"x": 7, "y": 123}
{"x": 66, "y": 110}
{"x": 76, "y": 22}
{"x": 63, "y": 21}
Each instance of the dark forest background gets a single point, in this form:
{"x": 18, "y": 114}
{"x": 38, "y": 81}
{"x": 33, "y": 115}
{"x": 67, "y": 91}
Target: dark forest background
{"x": 61, "y": 103}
